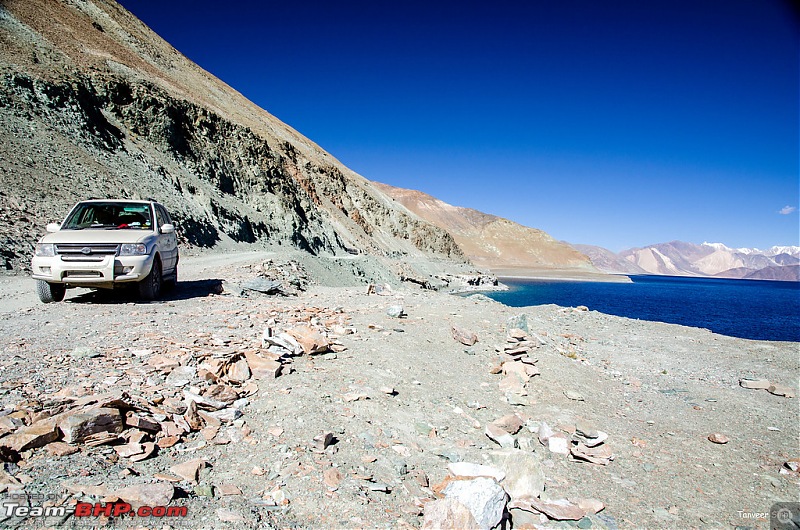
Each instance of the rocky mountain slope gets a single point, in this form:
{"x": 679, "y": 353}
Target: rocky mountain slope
{"x": 93, "y": 103}
{"x": 678, "y": 258}
{"x": 490, "y": 241}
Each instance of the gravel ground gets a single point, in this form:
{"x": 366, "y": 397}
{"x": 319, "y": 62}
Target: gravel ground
{"x": 401, "y": 399}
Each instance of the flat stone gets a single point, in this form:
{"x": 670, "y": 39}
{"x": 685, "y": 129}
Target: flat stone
{"x": 447, "y": 514}
{"x": 156, "y": 494}
{"x": 228, "y": 490}
{"x": 523, "y": 471}
{"x": 781, "y": 390}
{"x": 223, "y": 393}
{"x": 181, "y": 376}
{"x": 596, "y": 455}
{"x": 229, "y": 516}
{"x": 465, "y": 337}
{"x": 484, "y": 498}
{"x": 79, "y": 425}
{"x": 149, "y": 450}
{"x": 499, "y": 436}
{"x": 332, "y": 477}
{"x": 128, "y": 450}
{"x": 61, "y": 449}
{"x": 262, "y": 367}
{"x": 168, "y": 441}
{"x": 189, "y": 470}
{"x": 163, "y": 363}
{"x": 590, "y": 506}
{"x": 718, "y": 438}
{"x": 511, "y": 423}
{"x": 517, "y": 334}
{"x": 755, "y": 384}
{"x": 36, "y": 435}
{"x": 560, "y": 510}
{"x": 573, "y": 395}
{"x": 311, "y": 340}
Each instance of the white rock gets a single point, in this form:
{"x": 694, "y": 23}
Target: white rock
{"x": 484, "y": 498}
{"x": 558, "y": 444}
{"x": 466, "y": 469}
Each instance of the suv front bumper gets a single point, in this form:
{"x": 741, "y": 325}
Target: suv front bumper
{"x": 112, "y": 269}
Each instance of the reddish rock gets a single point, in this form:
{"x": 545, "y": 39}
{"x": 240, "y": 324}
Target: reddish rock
{"x": 37, "y": 435}
{"x": 156, "y": 494}
{"x": 465, "y": 337}
{"x": 261, "y": 366}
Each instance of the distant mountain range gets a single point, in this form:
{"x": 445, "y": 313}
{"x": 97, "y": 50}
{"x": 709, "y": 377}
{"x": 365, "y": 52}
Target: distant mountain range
{"x": 679, "y": 258}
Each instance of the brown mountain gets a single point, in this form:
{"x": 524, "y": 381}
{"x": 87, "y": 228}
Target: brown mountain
{"x": 492, "y": 242}
{"x": 93, "y": 103}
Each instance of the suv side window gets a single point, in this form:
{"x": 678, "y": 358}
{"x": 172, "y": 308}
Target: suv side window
{"x": 165, "y": 214}
{"x": 159, "y": 217}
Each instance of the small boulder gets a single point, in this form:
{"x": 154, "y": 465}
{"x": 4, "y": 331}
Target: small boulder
{"x": 484, "y": 498}
{"x": 465, "y": 337}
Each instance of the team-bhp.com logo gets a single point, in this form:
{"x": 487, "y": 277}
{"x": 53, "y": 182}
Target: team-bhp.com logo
{"x": 85, "y": 509}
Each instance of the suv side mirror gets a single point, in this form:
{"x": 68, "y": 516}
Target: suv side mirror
{"x": 53, "y": 227}
{"x": 167, "y": 229}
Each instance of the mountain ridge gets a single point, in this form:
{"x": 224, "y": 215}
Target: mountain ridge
{"x": 93, "y": 103}
{"x": 493, "y": 242}
{"x": 680, "y": 258}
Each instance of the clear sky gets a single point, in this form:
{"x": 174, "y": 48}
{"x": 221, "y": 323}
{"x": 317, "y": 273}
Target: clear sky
{"x": 615, "y": 123}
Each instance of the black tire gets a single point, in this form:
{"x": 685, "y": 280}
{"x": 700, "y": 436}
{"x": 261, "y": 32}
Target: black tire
{"x": 50, "y": 292}
{"x": 150, "y": 287}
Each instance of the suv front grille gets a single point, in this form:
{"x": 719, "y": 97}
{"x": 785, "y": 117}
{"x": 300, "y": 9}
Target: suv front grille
{"x": 89, "y": 252}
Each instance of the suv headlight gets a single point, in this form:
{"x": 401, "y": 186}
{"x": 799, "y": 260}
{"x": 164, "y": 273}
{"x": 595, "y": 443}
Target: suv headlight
{"x": 133, "y": 249}
{"x": 45, "y": 250}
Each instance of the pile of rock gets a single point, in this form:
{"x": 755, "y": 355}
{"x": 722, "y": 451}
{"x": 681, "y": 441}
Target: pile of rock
{"x": 187, "y": 396}
{"x": 516, "y": 362}
{"x": 582, "y": 442}
{"x": 508, "y": 491}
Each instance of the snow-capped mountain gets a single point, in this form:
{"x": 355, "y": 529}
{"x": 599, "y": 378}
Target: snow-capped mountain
{"x": 679, "y": 258}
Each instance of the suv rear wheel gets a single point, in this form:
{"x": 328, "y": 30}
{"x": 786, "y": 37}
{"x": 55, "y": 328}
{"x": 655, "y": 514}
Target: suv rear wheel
{"x": 50, "y": 292}
{"x": 150, "y": 287}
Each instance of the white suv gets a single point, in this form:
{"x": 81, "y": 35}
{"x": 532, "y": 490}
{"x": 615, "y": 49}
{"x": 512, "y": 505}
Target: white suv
{"x": 105, "y": 242}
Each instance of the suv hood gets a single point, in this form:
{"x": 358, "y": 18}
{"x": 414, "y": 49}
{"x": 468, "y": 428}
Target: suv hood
{"x": 95, "y": 235}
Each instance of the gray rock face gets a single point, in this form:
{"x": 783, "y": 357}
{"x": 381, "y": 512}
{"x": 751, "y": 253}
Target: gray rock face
{"x": 124, "y": 126}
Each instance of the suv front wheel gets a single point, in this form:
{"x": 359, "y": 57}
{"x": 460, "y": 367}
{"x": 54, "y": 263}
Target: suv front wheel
{"x": 50, "y": 292}
{"x": 150, "y": 287}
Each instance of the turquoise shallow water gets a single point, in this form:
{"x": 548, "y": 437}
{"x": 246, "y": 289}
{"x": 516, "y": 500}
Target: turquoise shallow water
{"x": 750, "y": 309}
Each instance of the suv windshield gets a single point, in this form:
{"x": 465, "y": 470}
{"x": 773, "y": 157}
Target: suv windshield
{"x": 110, "y": 216}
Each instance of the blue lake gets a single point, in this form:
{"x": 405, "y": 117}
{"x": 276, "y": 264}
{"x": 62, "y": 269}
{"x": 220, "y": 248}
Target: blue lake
{"x": 751, "y": 309}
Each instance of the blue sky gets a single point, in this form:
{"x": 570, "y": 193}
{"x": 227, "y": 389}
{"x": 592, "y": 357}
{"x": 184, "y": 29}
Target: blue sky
{"x": 616, "y": 123}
